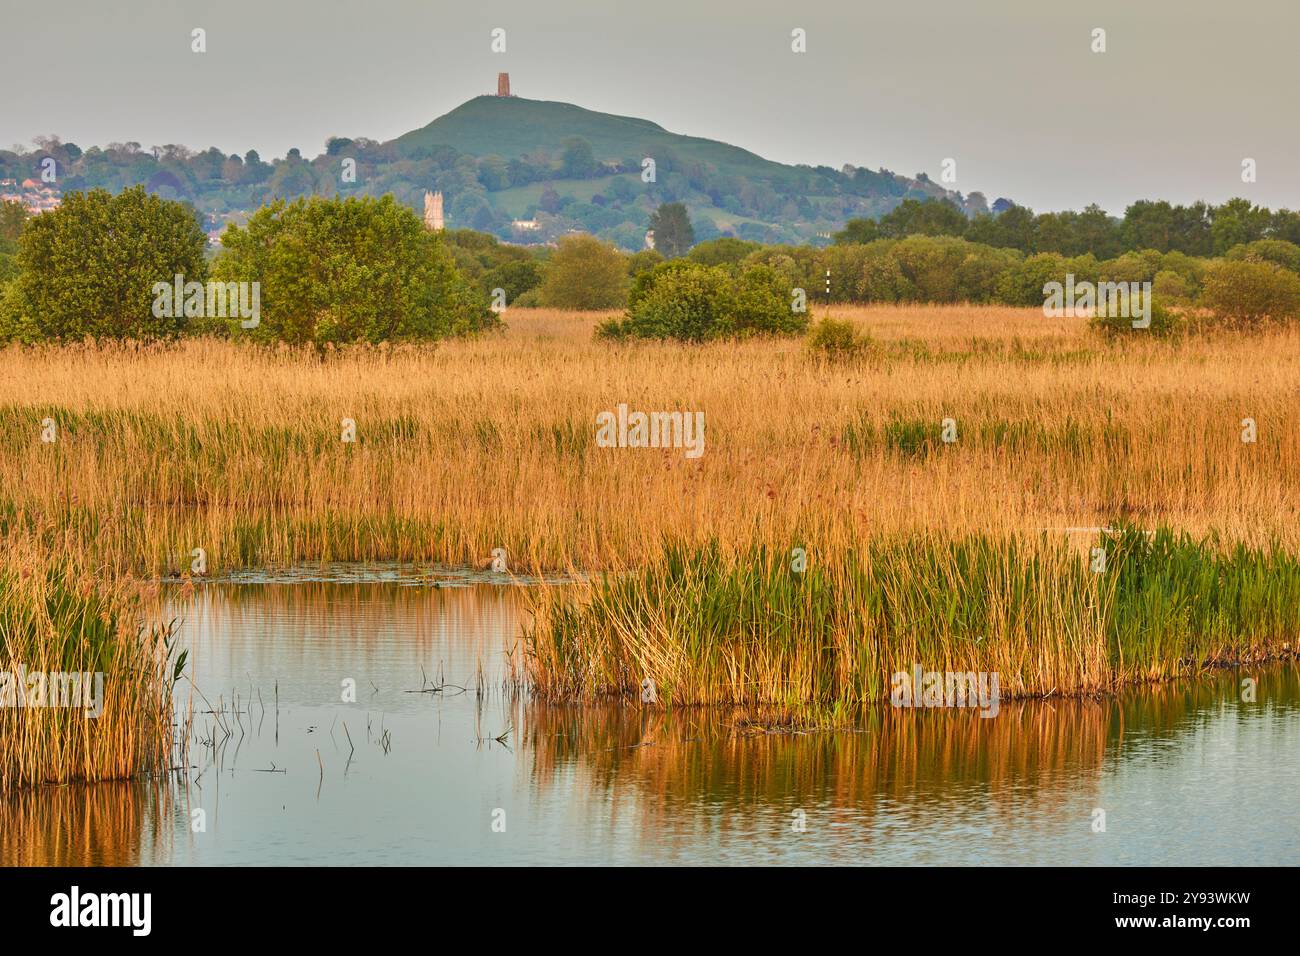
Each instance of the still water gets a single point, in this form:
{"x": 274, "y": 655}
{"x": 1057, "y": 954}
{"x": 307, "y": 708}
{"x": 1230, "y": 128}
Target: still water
{"x": 285, "y": 771}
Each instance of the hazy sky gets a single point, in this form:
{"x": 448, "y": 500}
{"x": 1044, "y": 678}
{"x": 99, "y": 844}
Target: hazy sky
{"x": 1009, "y": 88}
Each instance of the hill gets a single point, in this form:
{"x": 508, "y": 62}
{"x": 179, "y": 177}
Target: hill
{"x": 498, "y": 160}
{"x": 514, "y": 127}
{"x": 726, "y": 188}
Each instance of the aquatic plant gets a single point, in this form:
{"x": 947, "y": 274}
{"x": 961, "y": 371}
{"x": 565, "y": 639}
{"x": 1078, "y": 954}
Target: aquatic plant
{"x": 753, "y": 629}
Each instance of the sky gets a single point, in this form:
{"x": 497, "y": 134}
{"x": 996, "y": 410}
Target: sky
{"x": 1010, "y": 89}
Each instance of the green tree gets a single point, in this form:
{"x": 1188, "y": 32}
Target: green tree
{"x": 857, "y": 232}
{"x": 1237, "y": 222}
{"x": 643, "y": 260}
{"x": 1022, "y": 283}
{"x": 689, "y": 302}
{"x": 89, "y": 267}
{"x": 934, "y": 217}
{"x": 585, "y": 273}
{"x": 577, "y": 161}
{"x": 514, "y": 278}
{"x": 723, "y": 251}
{"x": 674, "y": 234}
{"x": 1245, "y": 292}
{"x": 1286, "y": 254}
{"x": 12, "y": 218}
{"x": 350, "y": 270}
{"x": 13, "y": 215}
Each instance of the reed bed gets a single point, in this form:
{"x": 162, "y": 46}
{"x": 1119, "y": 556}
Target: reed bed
{"x": 56, "y": 618}
{"x": 471, "y": 445}
{"x": 491, "y": 442}
{"x": 819, "y": 645}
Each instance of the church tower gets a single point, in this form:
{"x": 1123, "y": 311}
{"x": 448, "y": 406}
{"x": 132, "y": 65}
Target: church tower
{"x": 433, "y": 211}
{"x": 503, "y": 84}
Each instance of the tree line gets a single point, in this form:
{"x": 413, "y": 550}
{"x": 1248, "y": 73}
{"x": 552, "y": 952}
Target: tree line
{"x": 334, "y": 271}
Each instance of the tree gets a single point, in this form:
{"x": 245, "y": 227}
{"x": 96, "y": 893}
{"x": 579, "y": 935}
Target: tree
{"x": 514, "y": 278}
{"x": 689, "y": 302}
{"x": 12, "y": 217}
{"x": 1279, "y": 251}
{"x": 549, "y": 201}
{"x": 577, "y": 161}
{"x": 89, "y": 267}
{"x": 1241, "y": 291}
{"x": 350, "y": 270}
{"x": 585, "y": 273}
{"x": 934, "y": 217}
{"x": 674, "y": 234}
{"x": 857, "y": 232}
{"x": 723, "y": 251}
{"x": 1237, "y": 222}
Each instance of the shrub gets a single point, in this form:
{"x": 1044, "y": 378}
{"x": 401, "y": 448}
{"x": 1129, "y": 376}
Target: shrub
{"x": 1245, "y": 292}
{"x": 689, "y": 302}
{"x": 930, "y": 266}
{"x": 340, "y": 271}
{"x": 723, "y": 251}
{"x": 1170, "y": 286}
{"x": 1022, "y": 283}
{"x": 88, "y": 268}
{"x": 643, "y": 260}
{"x": 585, "y": 273}
{"x": 1163, "y": 321}
{"x": 882, "y": 278}
{"x": 1132, "y": 267}
{"x": 514, "y": 278}
{"x": 836, "y": 340}
{"x": 1278, "y": 251}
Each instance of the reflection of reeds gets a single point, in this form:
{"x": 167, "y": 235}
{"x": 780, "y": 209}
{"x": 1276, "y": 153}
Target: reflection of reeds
{"x": 691, "y": 752}
{"x": 668, "y": 766}
{"x": 749, "y": 630}
{"x": 57, "y": 618}
{"x": 108, "y": 824}
{"x": 461, "y": 629}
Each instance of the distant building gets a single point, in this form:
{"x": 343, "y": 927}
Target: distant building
{"x": 649, "y": 238}
{"x": 503, "y": 84}
{"x": 433, "y": 211}
{"x": 524, "y": 225}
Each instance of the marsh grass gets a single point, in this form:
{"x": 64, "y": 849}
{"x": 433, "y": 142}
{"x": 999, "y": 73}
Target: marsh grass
{"x": 56, "y": 617}
{"x": 484, "y": 443}
{"x": 745, "y": 629}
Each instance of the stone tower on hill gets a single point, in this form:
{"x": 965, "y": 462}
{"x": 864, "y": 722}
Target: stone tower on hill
{"x": 433, "y": 211}
{"x": 503, "y": 84}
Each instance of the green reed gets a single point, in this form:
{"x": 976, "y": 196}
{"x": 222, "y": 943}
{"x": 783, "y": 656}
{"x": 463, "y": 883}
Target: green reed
{"x": 749, "y": 629}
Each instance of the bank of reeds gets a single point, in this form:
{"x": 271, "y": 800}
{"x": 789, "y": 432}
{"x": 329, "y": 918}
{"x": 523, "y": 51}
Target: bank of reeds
{"x": 749, "y": 629}
{"x": 491, "y": 442}
{"x": 58, "y": 619}
{"x": 944, "y": 542}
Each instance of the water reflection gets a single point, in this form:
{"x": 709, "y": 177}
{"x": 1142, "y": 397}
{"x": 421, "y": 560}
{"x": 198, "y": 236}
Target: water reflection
{"x": 286, "y": 770}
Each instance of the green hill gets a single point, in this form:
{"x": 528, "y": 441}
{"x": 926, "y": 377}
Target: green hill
{"x": 523, "y": 146}
{"x": 498, "y": 160}
{"x": 512, "y": 127}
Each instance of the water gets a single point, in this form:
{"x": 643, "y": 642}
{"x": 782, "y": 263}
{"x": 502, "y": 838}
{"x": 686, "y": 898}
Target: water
{"x": 1185, "y": 773}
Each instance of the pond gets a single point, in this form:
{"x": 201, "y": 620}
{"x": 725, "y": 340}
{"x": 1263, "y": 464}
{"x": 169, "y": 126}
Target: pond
{"x": 367, "y": 717}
